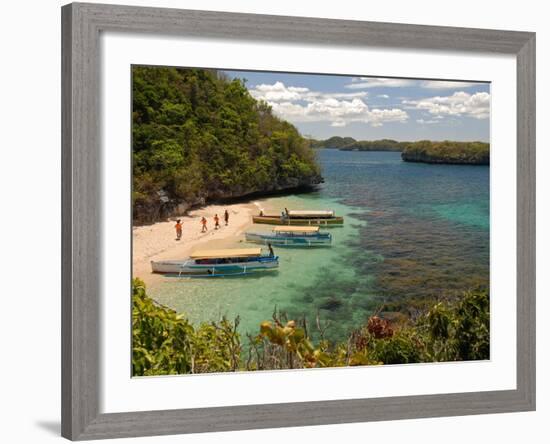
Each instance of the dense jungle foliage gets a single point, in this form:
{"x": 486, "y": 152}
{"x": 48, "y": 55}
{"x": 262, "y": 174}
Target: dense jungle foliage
{"x": 199, "y": 136}
{"x": 165, "y": 343}
{"x": 471, "y": 153}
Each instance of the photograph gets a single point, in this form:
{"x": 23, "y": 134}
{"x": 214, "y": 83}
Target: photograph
{"x": 297, "y": 221}
{"x": 272, "y": 223}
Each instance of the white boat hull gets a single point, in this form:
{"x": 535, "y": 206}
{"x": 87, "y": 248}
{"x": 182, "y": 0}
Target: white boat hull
{"x": 289, "y": 241}
{"x": 190, "y": 267}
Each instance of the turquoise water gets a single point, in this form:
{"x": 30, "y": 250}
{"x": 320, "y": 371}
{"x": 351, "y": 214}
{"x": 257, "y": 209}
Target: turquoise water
{"x": 412, "y": 231}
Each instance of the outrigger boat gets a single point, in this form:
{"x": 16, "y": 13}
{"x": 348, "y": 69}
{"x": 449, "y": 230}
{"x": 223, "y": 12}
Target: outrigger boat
{"x": 218, "y": 263}
{"x": 294, "y": 217}
{"x": 292, "y": 236}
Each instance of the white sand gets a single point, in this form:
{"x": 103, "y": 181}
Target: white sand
{"x": 158, "y": 241}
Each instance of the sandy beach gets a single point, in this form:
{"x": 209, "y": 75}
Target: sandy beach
{"x": 158, "y": 241}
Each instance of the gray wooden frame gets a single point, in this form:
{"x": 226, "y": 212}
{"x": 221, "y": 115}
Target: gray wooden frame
{"x": 81, "y": 166}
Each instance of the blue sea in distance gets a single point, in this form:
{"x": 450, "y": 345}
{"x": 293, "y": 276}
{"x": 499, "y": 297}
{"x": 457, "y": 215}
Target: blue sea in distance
{"x": 412, "y": 232}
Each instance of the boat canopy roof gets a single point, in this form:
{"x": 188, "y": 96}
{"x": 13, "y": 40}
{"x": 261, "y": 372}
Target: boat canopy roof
{"x": 232, "y": 252}
{"x": 309, "y": 213}
{"x": 295, "y": 229}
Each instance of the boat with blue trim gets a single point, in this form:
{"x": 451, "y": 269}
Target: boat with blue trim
{"x": 219, "y": 263}
{"x": 292, "y": 236}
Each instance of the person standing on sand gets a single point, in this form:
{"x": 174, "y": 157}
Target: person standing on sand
{"x": 203, "y": 222}
{"x": 216, "y": 222}
{"x": 179, "y": 229}
{"x": 226, "y": 217}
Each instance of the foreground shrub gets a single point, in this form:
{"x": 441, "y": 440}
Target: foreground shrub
{"x": 165, "y": 343}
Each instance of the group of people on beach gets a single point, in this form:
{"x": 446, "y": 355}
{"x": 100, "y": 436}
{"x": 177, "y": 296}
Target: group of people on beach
{"x": 204, "y": 223}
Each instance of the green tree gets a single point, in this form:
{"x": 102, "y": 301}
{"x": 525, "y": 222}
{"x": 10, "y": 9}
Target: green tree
{"x": 197, "y": 135}
{"x": 474, "y": 153}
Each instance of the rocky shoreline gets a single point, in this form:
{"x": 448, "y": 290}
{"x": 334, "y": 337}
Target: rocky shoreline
{"x": 165, "y": 207}
{"x": 426, "y": 158}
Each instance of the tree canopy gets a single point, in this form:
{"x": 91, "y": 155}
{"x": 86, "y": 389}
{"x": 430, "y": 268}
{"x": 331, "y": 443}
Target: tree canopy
{"x": 470, "y": 153}
{"x": 427, "y": 151}
{"x": 199, "y": 136}
{"x": 350, "y": 144}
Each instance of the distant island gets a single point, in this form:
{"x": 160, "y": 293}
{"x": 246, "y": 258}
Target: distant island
{"x": 350, "y": 144}
{"x": 198, "y": 136}
{"x": 448, "y": 152}
{"x": 426, "y": 151}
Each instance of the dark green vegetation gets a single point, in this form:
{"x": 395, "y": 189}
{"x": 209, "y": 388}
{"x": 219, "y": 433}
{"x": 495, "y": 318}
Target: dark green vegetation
{"x": 376, "y": 145}
{"x": 166, "y": 343}
{"x": 350, "y": 144}
{"x": 198, "y": 136}
{"x": 469, "y": 153}
{"x": 333, "y": 142}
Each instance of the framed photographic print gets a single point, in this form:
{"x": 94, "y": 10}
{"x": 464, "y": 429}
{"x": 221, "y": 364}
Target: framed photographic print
{"x": 278, "y": 221}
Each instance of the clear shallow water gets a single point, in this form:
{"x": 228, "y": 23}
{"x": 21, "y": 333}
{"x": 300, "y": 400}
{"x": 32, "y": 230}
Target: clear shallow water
{"x": 412, "y": 231}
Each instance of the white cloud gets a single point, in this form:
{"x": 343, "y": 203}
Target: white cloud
{"x": 368, "y": 82}
{"x": 443, "y": 84}
{"x": 278, "y": 92}
{"x": 304, "y": 105}
{"x": 314, "y": 95}
{"x": 338, "y": 123}
{"x": 374, "y": 82}
{"x": 380, "y": 116}
{"x": 301, "y": 104}
{"x": 459, "y": 104}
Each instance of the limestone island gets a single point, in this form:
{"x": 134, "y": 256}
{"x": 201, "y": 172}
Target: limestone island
{"x": 447, "y": 152}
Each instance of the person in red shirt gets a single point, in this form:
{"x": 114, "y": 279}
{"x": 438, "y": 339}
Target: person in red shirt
{"x": 216, "y": 222}
{"x": 179, "y": 229}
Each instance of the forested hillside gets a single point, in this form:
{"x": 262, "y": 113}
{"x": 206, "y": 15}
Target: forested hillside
{"x": 199, "y": 136}
{"x": 332, "y": 142}
{"x": 426, "y": 151}
{"x": 466, "y": 153}
{"x": 375, "y": 145}
{"x": 350, "y": 144}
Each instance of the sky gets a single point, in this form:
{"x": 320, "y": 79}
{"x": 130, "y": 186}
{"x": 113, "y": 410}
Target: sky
{"x": 369, "y": 108}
